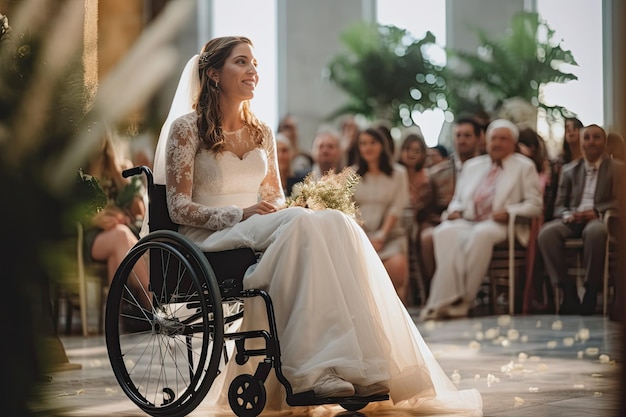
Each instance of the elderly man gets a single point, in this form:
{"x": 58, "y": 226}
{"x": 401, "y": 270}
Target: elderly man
{"x": 326, "y": 152}
{"x": 491, "y": 187}
{"x": 587, "y": 189}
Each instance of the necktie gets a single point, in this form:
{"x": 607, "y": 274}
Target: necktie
{"x": 483, "y": 196}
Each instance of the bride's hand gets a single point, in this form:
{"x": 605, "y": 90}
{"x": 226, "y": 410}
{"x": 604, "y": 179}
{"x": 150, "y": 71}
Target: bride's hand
{"x": 262, "y": 207}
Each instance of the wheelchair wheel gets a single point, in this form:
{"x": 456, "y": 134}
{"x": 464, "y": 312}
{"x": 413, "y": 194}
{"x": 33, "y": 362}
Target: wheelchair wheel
{"x": 165, "y": 346}
{"x": 246, "y": 396}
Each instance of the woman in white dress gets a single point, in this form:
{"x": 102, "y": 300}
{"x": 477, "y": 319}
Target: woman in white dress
{"x": 341, "y": 327}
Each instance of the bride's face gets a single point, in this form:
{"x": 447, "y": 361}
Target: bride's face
{"x": 238, "y": 78}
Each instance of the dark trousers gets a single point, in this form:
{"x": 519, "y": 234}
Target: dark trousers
{"x": 552, "y": 246}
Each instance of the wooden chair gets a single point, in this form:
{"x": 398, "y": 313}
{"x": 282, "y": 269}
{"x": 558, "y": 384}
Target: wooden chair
{"x": 74, "y": 286}
{"x": 576, "y": 269}
{"x": 508, "y": 262}
{"x": 417, "y": 286}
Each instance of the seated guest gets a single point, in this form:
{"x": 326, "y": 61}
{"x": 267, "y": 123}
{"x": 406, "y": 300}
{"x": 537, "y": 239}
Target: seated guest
{"x": 569, "y": 153}
{"x": 466, "y": 137}
{"x": 587, "y": 189}
{"x": 420, "y": 214}
{"x": 300, "y": 161}
{"x": 492, "y": 187}
{"x": 383, "y": 127}
{"x": 326, "y": 152}
{"x": 482, "y": 118}
{"x": 114, "y": 230}
{"x": 434, "y": 155}
{"x": 349, "y": 133}
{"x": 413, "y": 157}
{"x": 532, "y": 145}
{"x": 442, "y": 177}
{"x": 381, "y": 197}
{"x": 284, "y": 156}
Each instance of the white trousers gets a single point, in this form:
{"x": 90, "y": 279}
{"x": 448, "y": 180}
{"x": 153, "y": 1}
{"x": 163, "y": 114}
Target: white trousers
{"x": 463, "y": 251}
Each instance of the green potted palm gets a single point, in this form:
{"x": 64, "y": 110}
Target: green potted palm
{"x": 508, "y": 73}
{"x": 385, "y": 74}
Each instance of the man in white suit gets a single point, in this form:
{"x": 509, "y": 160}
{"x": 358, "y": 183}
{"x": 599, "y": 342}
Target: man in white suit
{"x": 491, "y": 188}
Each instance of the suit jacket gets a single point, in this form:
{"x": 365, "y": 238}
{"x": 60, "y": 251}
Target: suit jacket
{"x": 442, "y": 179}
{"x": 517, "y": 189}
{"x": 572, "y": 185}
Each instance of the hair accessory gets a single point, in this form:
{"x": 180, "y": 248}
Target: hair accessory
{"x": 204, "y": 58}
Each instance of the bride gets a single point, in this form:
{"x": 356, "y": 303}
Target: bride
{"x": 341, "y": 326}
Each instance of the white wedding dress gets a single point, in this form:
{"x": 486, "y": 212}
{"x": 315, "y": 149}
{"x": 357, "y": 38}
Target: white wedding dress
{"x": 334, "y": 303}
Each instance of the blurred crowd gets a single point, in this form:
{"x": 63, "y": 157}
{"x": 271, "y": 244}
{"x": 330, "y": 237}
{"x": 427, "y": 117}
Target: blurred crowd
{"x": 433, "y": 214}
{"x": 420, "y": 206}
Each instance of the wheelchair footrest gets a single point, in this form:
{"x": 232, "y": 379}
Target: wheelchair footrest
{"x": 307, "y": 398}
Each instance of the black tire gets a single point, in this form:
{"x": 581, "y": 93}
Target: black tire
{"x": 246, "y": 396}
{"x": 165, "y": 356}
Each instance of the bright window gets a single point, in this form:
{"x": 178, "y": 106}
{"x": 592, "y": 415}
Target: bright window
{"x": 255, "y": 19}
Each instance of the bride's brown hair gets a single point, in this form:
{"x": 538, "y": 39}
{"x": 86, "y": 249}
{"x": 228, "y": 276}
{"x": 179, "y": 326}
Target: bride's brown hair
{"x": 213, "y": 56}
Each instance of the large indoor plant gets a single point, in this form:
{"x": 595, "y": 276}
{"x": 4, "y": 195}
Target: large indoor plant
{"x": 516, "y": 65}
{"x": 385, "y": 73}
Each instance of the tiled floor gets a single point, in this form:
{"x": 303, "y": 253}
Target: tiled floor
{"x": 523, "y": 366}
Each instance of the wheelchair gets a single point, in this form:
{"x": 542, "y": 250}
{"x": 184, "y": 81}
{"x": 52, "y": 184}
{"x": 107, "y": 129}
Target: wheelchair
{"x": 167, "y": 345}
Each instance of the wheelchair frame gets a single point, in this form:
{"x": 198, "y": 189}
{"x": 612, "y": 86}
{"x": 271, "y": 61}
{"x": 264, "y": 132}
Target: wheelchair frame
{"x": 166, "y": 346}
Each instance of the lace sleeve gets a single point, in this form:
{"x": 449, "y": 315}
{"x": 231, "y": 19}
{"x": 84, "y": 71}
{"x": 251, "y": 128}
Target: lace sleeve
{"x": 271, "y": 189}
{"x": 182, "y": 146}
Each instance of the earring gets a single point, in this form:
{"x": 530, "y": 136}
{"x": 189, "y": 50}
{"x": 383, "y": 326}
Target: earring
{"x": 216, "y": 84}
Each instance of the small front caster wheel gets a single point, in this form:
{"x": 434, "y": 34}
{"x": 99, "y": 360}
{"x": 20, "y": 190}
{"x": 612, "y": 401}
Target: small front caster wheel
{"x": 246, "y": 396}
{"x": 353, "y": 406}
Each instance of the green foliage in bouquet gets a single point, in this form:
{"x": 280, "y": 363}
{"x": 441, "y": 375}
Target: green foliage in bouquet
{"x": 516, "y": 65}
{"x": 385, "y": 73}
{"x": 332, "y": 191}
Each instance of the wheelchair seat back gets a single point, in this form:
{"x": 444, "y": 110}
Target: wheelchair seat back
{"x": 229, "y": 266}
{"x": 158, "y": 214}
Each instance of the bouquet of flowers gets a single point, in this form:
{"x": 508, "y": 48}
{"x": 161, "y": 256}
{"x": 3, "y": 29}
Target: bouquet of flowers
{"x": 332, "y": 191}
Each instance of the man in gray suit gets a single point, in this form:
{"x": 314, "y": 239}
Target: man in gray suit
{"x": 491, "y": 188}
{"x": 587, "y": 189}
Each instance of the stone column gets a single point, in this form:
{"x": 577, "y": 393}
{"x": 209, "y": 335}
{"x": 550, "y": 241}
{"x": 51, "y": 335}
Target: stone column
{"x": 120, "y": 22}
{"x": 463, "y": 16}
{"x": 614, "y": 12}
{"x": 90, "y": 48}
{"x": 614, "y": 16}
{"x": 308, "y": 37}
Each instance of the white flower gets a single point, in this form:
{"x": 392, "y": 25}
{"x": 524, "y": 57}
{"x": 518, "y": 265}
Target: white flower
{"x": 332, "y": 191}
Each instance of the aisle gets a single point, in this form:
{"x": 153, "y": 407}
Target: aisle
{"x": 523, "y": 366}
